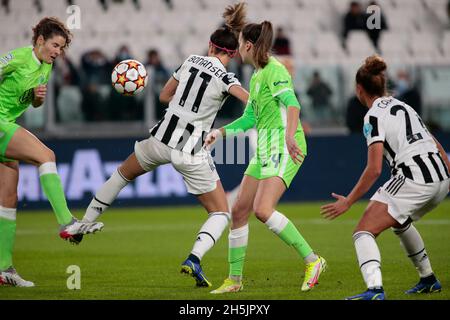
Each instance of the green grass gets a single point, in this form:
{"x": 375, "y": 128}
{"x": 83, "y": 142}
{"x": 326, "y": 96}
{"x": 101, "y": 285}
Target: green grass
{"x": 138, "y": 255}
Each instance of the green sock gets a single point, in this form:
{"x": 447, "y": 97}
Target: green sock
{"x": 236, "y": 259}
{"x": 293, "y": 238}
{"x": 7, "y": 236}
{"x": 51, "y": 184}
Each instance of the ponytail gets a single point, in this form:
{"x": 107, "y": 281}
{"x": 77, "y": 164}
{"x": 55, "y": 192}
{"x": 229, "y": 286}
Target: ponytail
{"x": 261, "y": 35}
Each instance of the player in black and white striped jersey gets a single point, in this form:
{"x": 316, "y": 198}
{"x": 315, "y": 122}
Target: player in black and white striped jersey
{"x": 420, "y": 181}
{"x": 195, "y": 94}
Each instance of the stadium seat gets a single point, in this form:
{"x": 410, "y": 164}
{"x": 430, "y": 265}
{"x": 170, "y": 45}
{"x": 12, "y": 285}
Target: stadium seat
{"x": 359, "y": 45}
{"x": 394, "y": 46}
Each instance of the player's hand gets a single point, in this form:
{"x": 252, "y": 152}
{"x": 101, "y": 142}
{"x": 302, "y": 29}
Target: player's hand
{"x": 39, "y": 95}
{"x": 294, "y": 151}
{"x": 212, "y": 137}
{"x": 334, "y": 210}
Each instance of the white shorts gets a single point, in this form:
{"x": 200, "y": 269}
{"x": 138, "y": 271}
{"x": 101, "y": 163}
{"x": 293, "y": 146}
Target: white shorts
{"x": 408, "y": 199}
{"x": 198, "y": 171}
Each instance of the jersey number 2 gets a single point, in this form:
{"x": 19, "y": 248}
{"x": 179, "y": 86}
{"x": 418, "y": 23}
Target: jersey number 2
{"x": 410, "y": 136}
{"x": 206, "y": 78}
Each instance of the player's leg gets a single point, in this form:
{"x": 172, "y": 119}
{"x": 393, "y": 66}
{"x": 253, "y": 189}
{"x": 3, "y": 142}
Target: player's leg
{"x": 238, "y": 236}
{"x": 108, "y": 192}
{"x": 375, "y": 220}
{"x": 9, "y": 177}
{"x": 147, "y": 155}
{"x": 24, "y": 146}
{"x": 218, "y": 217}
{"x": 414, "y": 245}
{"x": 269, "y": 193}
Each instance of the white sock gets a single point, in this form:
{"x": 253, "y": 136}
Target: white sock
{"x": 369, "y": 258}
{"x": 210, "y": 232}
{"x": 412, "y": 242}
{"x": 8, "y": 213}
{"x": 105, "y": 196}
{"x": 47, "y": 168}
{"x": 277, "y": 222}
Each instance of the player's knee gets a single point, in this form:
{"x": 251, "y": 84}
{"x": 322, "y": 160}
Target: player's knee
{"x": 262, "y": 212}
{"x": 366, "y": 229}
{"x": 46, "y": 156}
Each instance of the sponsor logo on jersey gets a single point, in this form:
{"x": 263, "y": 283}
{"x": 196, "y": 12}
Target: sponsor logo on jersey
{"x": 276, "y": 83}
{"x": 26, "y": 97}
{"x": 367, "y": 129}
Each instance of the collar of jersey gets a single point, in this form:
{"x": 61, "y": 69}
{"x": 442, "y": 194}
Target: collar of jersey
{"x": 34, "y": 56}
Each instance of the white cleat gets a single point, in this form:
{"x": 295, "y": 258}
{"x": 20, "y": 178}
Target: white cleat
{"x": 76, "y": 229}
{"x": 12, "y": 278}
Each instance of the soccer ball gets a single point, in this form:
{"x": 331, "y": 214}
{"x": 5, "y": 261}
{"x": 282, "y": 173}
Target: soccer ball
{"x": 129, "y": 77}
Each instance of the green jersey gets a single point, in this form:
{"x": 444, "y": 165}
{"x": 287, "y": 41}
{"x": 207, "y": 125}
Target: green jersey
{"x": 271, "y": 91}
{"x": 269, "y": 88}
{"x": 20, "y": 73}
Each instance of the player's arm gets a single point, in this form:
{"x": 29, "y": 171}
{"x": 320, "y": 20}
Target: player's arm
{"x": 168, "y": 91}
{"x": 39, "y": 95}
{"x": 443, "y": 153}
{"x": 242, "y": 124}
{"x": 369, "y": 176}
{"x": 240, "y": 93}
{"x": 8, "y": 64}
{"x": 289, "y": 100}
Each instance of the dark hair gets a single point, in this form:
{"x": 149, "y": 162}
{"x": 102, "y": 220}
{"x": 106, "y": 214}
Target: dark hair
{"x": 261, "y": 35}
{"x": 226, "y": 39}
{"x": 371, "y": 76}
{"x": 49, "y": 27}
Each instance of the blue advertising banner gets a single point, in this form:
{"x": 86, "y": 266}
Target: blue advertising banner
{"x": 333, "y": 164}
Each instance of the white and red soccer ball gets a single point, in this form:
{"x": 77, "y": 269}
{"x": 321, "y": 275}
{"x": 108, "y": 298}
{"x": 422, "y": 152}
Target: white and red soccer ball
{"x": 129, "y": 77}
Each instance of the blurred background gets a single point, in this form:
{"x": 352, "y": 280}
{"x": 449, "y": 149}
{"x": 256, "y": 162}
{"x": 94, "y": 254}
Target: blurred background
{"x": 322, "y": 42}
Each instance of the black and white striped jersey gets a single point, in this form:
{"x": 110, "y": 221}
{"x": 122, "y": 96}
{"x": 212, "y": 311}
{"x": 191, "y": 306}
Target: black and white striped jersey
{"x": 202, "y": 89}
{"x": 409, "y": 148}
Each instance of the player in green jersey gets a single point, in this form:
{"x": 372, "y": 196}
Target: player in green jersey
{"x": 280, "y": 152}
{"x": 24, "y": 73}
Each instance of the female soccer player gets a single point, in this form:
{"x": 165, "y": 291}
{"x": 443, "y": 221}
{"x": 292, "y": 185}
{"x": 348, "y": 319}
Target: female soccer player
{"x": 195, "y": 94}
{"x": 24, "y": 73}
{"x": 419, "y": 182}
{"x": 280, "y": 152}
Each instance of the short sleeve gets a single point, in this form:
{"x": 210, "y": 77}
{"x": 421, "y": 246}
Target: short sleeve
{"x": 177, "y": 72}
{"x": 8, "y": 63}
{"x": 229, "y": 80}
{"x": 279, "y": 80}
{"x": 373, "y": 129}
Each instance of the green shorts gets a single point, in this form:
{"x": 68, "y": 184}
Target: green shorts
{"x": 7, "y": 130}
{"x": 276, "y": 165}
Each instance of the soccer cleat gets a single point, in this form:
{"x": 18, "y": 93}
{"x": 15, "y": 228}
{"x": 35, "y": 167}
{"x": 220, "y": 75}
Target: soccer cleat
{"x": 370, "y": 294}
{"x": 313, "y": 271}
{"x": 12, "y": 278}
{"x": 424, "y": 287}
{"x": 195, "y": 270}
{"x": 229, "y": 285}
{"x": 75, "y": 230}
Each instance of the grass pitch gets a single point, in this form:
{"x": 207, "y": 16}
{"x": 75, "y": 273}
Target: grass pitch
{"x": 138, "y": 256}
